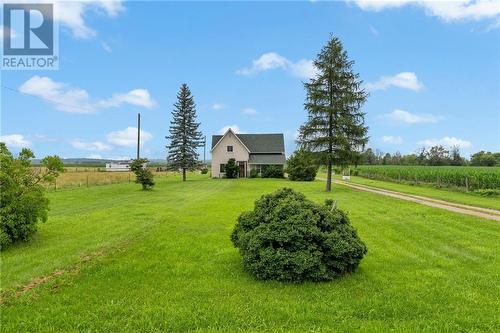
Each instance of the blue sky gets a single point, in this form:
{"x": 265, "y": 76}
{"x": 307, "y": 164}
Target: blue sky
{"x": 433, "y": 72}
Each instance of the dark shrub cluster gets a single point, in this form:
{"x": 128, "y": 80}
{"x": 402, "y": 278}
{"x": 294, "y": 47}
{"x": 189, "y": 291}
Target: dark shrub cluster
{"x": 290, "y": 238}
{"x": 272, "y": 171}
{"x": 232, "y": 169}
{"x": 254, "y": 173}
{"x": 301, "y": 166}
{"x": 204, "y": 170}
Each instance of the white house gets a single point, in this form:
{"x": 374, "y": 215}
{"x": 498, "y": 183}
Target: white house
{"x": 251, "y": 151}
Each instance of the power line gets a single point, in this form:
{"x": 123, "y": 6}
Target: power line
{"x": 88, "y": 110}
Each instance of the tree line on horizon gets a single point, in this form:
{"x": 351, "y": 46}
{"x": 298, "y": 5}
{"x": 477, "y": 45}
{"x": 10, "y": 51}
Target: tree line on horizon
{"x": 432, "y": 156}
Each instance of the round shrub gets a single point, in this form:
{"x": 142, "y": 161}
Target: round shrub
{"x": 290, "y": 238}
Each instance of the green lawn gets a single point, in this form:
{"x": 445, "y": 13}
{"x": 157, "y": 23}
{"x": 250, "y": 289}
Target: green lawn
{"x": 163, "y": 261}
{"x": 428, "y": 191}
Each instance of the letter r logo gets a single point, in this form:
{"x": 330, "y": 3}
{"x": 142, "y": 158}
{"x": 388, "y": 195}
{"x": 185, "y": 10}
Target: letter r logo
{"x": 28, "y": 29}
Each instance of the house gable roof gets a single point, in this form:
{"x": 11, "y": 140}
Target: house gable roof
{"x": 257, "y": 143}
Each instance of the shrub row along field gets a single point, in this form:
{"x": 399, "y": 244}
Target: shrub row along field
{"x": 467, "y": 178}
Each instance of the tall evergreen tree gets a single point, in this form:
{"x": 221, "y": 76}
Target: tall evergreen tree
{"x": 335, "y": 129}
{"x": 184, "y": 135}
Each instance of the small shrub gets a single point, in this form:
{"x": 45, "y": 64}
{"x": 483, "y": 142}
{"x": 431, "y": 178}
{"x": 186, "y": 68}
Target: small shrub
{"x": 232, "y": 169}
{"x": 289, "y": 238}
{"x": 254, "y": 173}
{"x": 272, "y": 171}
{"x": 22, "y": 197}
{"x": 487, "y": 192}
{"x": 143, "y": 175}
{"x": 301, "y": 166}
{"x": 204, "y": 171}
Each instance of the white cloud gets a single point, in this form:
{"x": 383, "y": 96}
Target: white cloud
{"x": 447, "y": 142}
{"x": 456, "y": 10}
{"x": 72, "y": 14}
{"x": 64, "y": 98}
{"x": 139, "y": 97}
{"x": 96, "y": 145}
{"x": 405, "y": 80}
{"x": 234, "y": 128}
{"x": 411, "y": 118}
{"x": 249, "y": 111}
{"x": 395, "y": 140}
{"x": 218, "y": 106}
{"x": 15, "y": 140}
{"x": 128, "y": 137}
{"x": 268, "y": 61}
{"x": 73, "y": 99}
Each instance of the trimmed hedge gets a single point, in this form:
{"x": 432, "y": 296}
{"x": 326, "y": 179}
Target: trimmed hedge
{"x": 290, "y": 238}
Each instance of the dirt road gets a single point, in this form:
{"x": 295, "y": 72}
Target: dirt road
{"x": 490, "y": 214}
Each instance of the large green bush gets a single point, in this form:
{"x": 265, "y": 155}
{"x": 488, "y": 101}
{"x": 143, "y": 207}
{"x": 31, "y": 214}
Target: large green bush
{"x": 22, "y": 196}
{"x": 272, "y": 171}
{"x": 290, "y": 238}
{"x": 301, "y": 166}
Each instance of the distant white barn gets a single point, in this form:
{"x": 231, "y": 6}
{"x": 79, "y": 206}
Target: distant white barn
{"x": 118, "y": 166}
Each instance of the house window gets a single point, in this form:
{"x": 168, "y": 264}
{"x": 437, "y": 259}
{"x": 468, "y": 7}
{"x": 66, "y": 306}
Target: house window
{"x": 230, "y": 149}
{"x": 222, "y": 168}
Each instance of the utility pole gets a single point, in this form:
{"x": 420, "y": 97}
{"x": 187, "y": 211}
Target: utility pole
{"x": 138, "y": 133}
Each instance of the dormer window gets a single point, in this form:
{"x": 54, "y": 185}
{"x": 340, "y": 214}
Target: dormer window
{"x": 230, "y": 149}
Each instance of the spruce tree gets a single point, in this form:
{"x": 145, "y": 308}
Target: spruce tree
{"x": 335, "y": 129}
{"x": 184, "y": 135}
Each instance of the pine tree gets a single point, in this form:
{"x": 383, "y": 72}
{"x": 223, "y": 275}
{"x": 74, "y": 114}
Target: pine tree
{"x": 184, "y": 135}
{"x": 335, "y": 129}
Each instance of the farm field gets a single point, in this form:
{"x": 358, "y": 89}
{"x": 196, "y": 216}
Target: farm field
{"x": 114, "y": 258}
{"x": 445, "y": 194}
{"x": 458, "y": 177}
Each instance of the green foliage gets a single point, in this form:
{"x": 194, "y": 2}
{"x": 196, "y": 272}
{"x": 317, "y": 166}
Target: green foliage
{"x": 254, "y": 173}
{"x": 443, "y": 176}
{"x": 434, "y": 156}
{"x": 335, "y": 130}
{"x": 289, "y": 238}
{"x": 22, "y": 196}
{"x": 483, "y": 158}
{"x": 184, "y": 135}
{"x": 143, "y": 175}
{"x": 232, "y": 170}
{"x": 204, "y": 170}
{"x": 272, "y": 171}
{"x": 488, "y": 192}
{"x": 301, "y": 166}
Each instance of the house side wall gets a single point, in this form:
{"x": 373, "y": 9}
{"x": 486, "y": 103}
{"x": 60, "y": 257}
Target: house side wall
{"x": 220, "y": 155}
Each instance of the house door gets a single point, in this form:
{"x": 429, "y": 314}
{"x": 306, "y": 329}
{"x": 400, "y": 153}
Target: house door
{"x": 242, "y": 170}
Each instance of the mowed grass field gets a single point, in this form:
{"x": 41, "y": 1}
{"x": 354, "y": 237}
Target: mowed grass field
{"x": 116, "y": 259}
